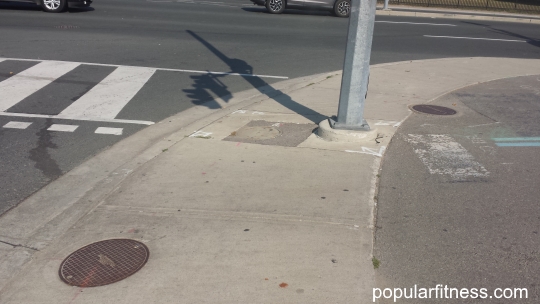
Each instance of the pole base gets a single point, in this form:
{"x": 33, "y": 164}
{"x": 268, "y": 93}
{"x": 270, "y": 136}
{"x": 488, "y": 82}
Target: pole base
{"x": 340, "y": 126}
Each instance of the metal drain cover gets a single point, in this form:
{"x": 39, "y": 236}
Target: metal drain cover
{"x": 103, "y": 262}
{"x": 258, "y": 133}
{"x": 433, "y": 110}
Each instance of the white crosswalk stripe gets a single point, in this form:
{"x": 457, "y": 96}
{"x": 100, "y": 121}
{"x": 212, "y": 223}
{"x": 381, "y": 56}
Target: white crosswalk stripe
{"x": 102, "y": 103}
{"x": 110, "y": 131}
{"x": 17, "y": 125}
{"x": 63, "y": 128}
{"x": 111, "y": 95}
{"x": 29, "y": 81}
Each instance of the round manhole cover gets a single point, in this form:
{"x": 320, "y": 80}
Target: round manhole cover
{"x": 258, "y": 133}
{"x": 433, "y": 110}
{"x": 103, "y": 262}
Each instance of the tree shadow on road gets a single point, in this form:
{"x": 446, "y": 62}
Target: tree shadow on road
{"x": 210, "y": 82}
{"x": 529, "y": 40}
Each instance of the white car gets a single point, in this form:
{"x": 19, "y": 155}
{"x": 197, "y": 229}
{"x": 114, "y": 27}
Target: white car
{"x": 341, "y": 8}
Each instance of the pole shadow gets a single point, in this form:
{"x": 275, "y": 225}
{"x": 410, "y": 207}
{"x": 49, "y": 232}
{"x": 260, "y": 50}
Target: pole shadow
{"x": 206, "y": 83}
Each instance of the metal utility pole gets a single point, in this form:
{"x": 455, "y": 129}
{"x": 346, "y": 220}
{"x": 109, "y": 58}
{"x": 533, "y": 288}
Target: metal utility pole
{"x": 355, "y": 79}
{"x": 385, "y": 8}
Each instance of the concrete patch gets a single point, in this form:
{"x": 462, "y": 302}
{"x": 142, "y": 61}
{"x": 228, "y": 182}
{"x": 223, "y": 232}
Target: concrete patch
{"x": 272, "y": 133}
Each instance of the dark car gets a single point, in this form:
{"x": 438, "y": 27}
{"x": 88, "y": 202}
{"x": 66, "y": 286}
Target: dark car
{"x": 56, "y": 6}
{"x": 341, "y": 8}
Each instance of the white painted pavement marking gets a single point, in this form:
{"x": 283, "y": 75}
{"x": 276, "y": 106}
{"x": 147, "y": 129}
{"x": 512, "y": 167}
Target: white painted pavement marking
{"x": 443, "y": 155}
{"x": 127, "y": 121}
{"x": 394, "y": 124}
{"x": 474, "y": 38}
{"x": 201, "y": 134}
{"x": 370, "y": 151}
{"x": 239, "y": 112}
{"x": 417, "y": 23}
{"x": 1, "y": 59}
{"x": 161, "y": 69}
{"x": 62, "y": 128}
{"x": 110, "y": 131}
{"x": 111, "y": 95}
{"x": 17, "y": 125}
{"x": 27, "y": 82}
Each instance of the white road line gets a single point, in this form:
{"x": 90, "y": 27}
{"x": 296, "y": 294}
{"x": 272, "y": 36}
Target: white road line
{"x": 63, "y": 128}
{"x": 398, "y": 22}
{"x": 473, "y": 38}
{"x": 160, "y": 69}
{"x": 110, "y": 131}
{"x": 111, "y": 95}
{"x": 1, "y": 59}
{"x": 17, "y": 125}
{"x": 27, "y": 82}
{"x": 126, "y": 121}
{"x": 443, "y": 155}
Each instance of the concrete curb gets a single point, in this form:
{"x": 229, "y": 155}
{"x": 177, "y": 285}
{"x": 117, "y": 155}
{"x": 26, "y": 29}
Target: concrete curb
{"x": 31, "y": 227}
{"x": 86, "y": 187}
{"x": 460, "y": 16}
{"x": 112, "y": 166}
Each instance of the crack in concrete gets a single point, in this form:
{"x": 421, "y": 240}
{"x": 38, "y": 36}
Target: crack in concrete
{"x": 19, "y": 245}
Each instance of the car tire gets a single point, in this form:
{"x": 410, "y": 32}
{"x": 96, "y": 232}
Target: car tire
{"x": 275, "y": 6}
{"x": 54, "y": 6}
{"x": 342, "y": 8}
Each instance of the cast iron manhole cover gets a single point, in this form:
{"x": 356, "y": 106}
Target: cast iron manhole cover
{"x": 434, "y": 110}
{"x": 103, "y": 262}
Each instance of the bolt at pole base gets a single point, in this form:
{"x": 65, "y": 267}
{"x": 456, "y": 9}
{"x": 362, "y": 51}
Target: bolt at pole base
{"x": 341, "y": 126}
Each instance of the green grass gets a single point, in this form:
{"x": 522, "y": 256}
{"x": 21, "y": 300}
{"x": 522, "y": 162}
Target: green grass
{"x": 376, "y": 263}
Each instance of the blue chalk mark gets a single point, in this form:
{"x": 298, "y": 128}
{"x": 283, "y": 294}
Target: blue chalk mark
{"x": 518, "y": 144}
{"x": 517, "y": 139}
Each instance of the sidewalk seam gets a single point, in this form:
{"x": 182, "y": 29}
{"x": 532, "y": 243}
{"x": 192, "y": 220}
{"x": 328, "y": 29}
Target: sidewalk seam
{"x": 453, "y": 15}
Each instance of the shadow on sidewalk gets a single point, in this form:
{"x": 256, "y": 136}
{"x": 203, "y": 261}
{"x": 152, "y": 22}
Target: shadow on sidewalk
{"x": 531, "y": 41}
{"x": 206, "y": 83}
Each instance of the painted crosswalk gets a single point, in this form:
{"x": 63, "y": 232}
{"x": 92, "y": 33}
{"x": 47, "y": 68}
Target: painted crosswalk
{"x": 13, "y": 90}
{"x": 17, "y": 125}
{"x": 111, "y": 95}
{"x": 23, "y": 125}
{"x": 30, "y": 92}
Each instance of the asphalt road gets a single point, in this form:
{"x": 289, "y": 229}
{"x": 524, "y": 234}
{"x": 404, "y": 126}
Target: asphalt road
{"x": 458, "y": 197}
{"x": 230, "y": 36}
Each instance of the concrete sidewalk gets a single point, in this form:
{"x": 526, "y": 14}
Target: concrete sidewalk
{"x": 239, "y": 205}
{"x": 453, "y": 13}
